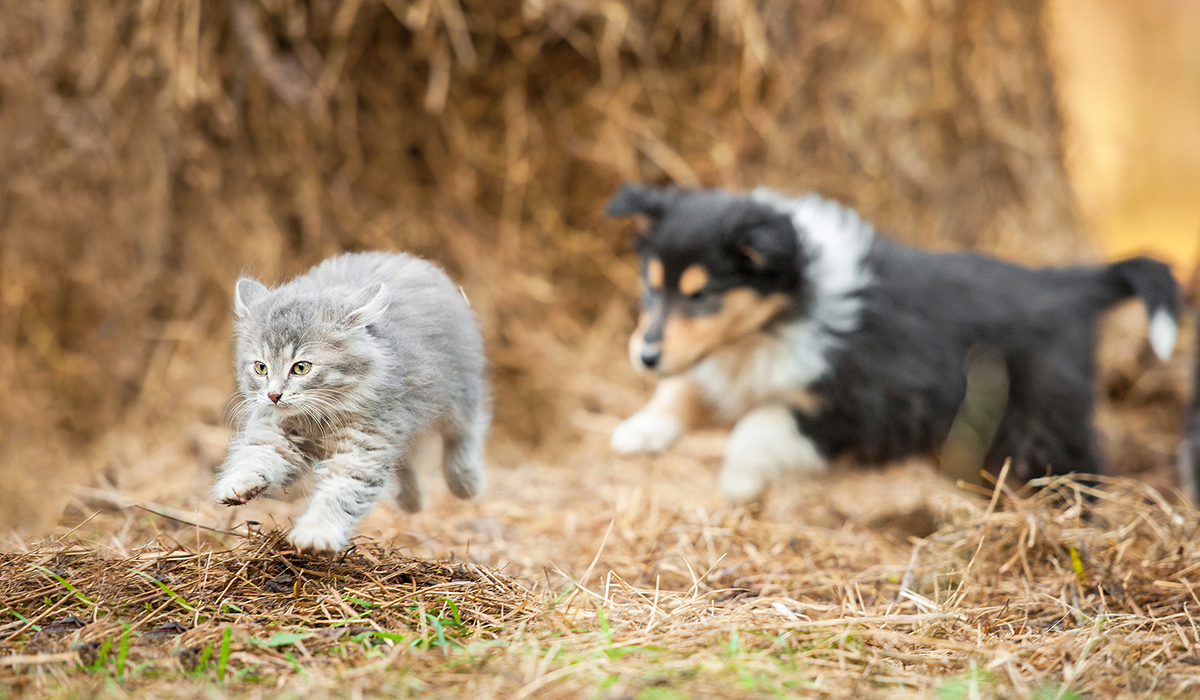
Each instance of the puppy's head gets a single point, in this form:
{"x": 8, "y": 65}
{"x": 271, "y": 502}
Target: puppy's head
{"x": 716, "y": 269}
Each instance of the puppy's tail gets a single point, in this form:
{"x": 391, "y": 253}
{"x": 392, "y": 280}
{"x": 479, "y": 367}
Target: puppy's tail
{"x": 1152, "y": 282}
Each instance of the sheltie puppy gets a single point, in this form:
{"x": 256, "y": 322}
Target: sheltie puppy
{"x": 791, "y": 320}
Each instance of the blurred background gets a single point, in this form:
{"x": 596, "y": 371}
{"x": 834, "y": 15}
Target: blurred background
{"x": 153, "y": 150}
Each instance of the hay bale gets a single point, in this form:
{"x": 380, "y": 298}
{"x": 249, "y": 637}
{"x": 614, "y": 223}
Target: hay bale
{"x": 156, "y": 150}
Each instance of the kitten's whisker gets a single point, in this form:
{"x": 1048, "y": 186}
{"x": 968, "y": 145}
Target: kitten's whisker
{"x": 330, "y": 414}
{"x": 313, "y": 420}
{"x": 233, "y": 410}
{"x": 328, "y": 422}
{"x": 240, "y": 414}
{"x": 346, "y": 404}
{"x": 337, "y": 409}
{"x": 330, "y": 400}
{"x": 322, "y": 414}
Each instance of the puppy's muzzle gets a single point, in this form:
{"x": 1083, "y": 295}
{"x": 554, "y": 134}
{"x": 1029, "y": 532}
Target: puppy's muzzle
{"x": 650, "y": 355}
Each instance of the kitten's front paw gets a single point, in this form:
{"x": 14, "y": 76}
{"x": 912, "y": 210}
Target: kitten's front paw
{"x": 646, "y": 433}
{"x": 237, "y": 488}
{"x": 309, "y": 537}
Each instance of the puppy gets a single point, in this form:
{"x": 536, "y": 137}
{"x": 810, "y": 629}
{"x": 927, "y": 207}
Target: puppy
{"x": 815, "y": 338}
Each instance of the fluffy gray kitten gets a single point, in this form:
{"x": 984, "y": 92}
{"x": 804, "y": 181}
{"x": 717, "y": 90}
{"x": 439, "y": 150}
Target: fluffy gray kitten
{"x": 340, "y": 370}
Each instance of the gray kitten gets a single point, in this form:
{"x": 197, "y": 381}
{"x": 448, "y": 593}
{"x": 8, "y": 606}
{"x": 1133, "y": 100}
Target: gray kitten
{"x": 340, "y": 370}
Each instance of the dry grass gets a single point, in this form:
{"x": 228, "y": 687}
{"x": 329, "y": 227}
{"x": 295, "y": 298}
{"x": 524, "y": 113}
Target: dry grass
{"x": 630, "y": 582}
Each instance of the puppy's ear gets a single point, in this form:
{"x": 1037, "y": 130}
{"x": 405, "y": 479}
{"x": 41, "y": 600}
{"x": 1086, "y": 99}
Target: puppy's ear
{"x": 634, "y": 198}
{"x": 767, "y": 244}
{"x": 246, "y": 293}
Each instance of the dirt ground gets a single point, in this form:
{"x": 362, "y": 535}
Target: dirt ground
{"x": 597, "y": 576}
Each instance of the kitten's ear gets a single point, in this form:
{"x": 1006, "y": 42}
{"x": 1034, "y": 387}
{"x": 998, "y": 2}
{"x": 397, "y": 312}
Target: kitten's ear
{"x": 370, "y": 306}
{"x": 634, "y": 198}
{"x": 246, "y": 293}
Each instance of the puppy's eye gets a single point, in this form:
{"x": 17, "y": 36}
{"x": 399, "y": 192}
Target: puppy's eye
{"x": 301, "y": 367}
{"x": 260, "y": 368}
{"x": 698, "y": 295}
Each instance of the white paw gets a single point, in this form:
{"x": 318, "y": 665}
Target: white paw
{"x": 646, "y": 433}
{"x": 764, "y": 445}
{"x": 236, "y": 487}
{"x": 309, "y": 536}
{"x": 741, "y": 486}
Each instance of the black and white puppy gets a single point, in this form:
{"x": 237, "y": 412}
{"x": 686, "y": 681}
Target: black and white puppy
{"x": 815, "y": 338}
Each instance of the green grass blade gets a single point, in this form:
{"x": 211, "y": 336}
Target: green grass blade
{"x": 282, "y": 639}
{"x": 122, "y": 651}
{"x": 223, "y": 658}
{"x": 454, "y": 610}
{"x": 102, "y": 656}
{"x": 202, "y": 662}
{"x": 65, "y": 583}
{"x": 167, "y": 590}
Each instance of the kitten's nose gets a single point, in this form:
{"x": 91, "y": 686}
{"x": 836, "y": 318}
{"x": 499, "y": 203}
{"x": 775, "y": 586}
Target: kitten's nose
{"x": 274, "y": 397}
{"x": 651, "y": 356}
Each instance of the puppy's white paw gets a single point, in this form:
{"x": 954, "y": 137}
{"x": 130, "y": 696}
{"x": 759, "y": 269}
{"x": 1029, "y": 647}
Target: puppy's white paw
{"x": 646, "y": 433}
{"x": 309, "y": 536}
{"x": 741, "y": 486}
{"x": 239, "y": 486}
{"x": 765, "y": 444}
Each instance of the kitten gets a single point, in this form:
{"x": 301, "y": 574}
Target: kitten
{"x": 340, "y": 370}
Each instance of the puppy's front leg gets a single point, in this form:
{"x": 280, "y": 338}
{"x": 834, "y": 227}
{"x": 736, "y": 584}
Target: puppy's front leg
{"x": 765, "y": 444}
{"x": 671, "y": 411}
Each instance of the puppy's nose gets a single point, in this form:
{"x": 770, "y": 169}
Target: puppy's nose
{"x": 650, "y": 357}
{"x": 274, "y": 397}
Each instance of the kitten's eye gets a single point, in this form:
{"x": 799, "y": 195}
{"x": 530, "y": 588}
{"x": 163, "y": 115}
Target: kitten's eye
{"x": 301, "y": 367}
{"x": 260, "y": 368}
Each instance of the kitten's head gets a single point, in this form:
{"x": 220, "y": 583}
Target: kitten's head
{"x": 305, "y": 351}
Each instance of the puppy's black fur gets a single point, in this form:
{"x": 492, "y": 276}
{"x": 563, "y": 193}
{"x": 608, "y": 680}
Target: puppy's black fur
{"x": 898, "y": 381}
{"x": 878, "y": 332}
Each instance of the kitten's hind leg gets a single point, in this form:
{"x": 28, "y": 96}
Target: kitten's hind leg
{"x": 463, "y": 467}
{"x": 424, "y": 452}
{"x": 462, "y": 463}
{"x": 410, "y": 486}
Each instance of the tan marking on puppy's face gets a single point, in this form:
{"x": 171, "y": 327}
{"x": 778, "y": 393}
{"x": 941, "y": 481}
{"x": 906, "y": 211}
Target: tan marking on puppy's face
{"x": 693, "y": 279}
{"x": 654, "y": 273}
{"x": 804, "y": 401}
{"x": 688, "y": 339}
